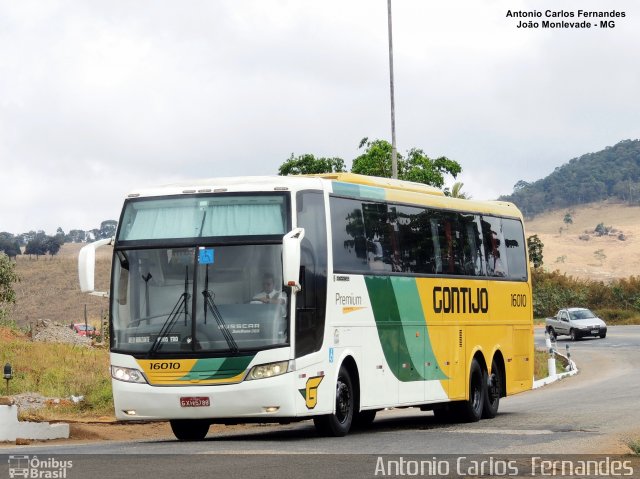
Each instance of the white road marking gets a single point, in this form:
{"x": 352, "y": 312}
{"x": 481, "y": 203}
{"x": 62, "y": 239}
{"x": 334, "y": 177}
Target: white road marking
{"x": 509, "y": 432}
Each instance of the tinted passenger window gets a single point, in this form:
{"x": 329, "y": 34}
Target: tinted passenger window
{"x": 472, "y": 259}
{"x": 349, "y": 243}
{"x": 514, "y": 245}
{"x": 495, "y": 254}
{"x": 378, "y": 234}
{"x": 413, "y": 237}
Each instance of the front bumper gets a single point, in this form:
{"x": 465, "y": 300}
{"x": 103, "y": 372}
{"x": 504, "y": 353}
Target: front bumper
{"x": 593, "y": 332}
{"x": 256, "y": 400}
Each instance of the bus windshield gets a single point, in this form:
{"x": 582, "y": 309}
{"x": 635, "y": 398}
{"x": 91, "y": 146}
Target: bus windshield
{"x": 190, "y": 274}
{"x": 191, "y": 300}
{"x": 203, "y": 217}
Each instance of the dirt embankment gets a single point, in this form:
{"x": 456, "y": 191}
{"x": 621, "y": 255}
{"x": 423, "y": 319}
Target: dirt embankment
{"x": 573, "y": 247}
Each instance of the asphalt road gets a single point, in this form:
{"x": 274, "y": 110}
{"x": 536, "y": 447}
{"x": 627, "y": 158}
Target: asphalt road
{"x": 591, "y": 412}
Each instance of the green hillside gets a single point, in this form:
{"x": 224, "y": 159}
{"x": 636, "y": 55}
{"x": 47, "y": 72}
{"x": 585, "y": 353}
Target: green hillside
{"x": 611, "y": 173}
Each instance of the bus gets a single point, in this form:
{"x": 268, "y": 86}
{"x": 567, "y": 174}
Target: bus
{"x": 325, "y": 297}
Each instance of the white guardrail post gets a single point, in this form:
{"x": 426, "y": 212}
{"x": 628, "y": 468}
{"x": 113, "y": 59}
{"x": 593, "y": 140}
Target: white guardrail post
{"x": 551, "y": 362}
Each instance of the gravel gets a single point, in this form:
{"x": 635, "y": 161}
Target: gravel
{"x": 49, "y": 331}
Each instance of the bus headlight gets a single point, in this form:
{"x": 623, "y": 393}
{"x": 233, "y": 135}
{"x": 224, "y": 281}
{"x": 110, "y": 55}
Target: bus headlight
{"x": 127, "y": 375}
{"x": 268, "y": 370}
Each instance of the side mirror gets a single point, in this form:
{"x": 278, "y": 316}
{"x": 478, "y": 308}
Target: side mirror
{"x": 291, "y": 258}
{"x": 87, "y": 266}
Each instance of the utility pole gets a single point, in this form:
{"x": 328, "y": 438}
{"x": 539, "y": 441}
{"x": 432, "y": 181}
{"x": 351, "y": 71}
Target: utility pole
{"x": 394, "y": 153}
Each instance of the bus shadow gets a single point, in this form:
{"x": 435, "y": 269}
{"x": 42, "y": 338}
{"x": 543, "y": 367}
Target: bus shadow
{"x": 305, "y": 430}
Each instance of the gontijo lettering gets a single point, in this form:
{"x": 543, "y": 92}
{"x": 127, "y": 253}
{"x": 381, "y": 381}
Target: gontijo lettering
{"x": 460, "y": 300}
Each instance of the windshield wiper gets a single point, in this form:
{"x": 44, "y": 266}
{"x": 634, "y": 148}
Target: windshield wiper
{"x": 210, "y": 304}
{"x": 181, "y": 304}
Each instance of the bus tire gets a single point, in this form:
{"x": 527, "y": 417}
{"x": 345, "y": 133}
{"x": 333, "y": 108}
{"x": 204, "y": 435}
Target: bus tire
{"x": 471, "y": 409}
{"x": 339, "y": 423}
{"x": 364, "y": 419}
{"x": 189, "y": 429}
{"x": 493, "y": 389}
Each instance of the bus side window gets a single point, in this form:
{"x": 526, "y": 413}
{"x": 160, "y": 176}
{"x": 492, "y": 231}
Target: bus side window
{"x": 515, "y": 248}
{"x": 311, "y": 300}
{"x": 495, "y": 254}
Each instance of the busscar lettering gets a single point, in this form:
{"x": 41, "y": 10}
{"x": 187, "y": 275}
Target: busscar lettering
{"x": 454, "y": 300}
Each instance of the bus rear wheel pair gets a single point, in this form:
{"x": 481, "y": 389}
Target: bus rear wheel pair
{"x": 484, "y": 396}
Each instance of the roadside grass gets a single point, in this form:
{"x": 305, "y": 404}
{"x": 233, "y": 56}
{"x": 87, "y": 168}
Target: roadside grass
{"x": 58, "y": 371}
{"x": 541, "y": 365}
{"x": 634, "y": 445}
{"x": 49, "y": 288}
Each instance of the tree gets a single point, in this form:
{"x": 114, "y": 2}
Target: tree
{"x": 456, "y": 191}
{"x": 37, "y": 245}
{"x": 568, "y": 219}
{"x": 376, "y": 160}
{"x": 75, "y": 236}
{"x": 107, "y": 229}
{"x": 308, "y": 164}
{"x": 9, "y": 244}
{"x": 8, "y": 276}
{"x": 417, "y": 167}
{"x": 53, "y": 244}
{"x": 535, "y": 246}
{"x": 422, "y": 169}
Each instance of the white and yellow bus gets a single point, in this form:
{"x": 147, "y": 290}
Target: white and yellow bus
{"x": 385, "y": 294}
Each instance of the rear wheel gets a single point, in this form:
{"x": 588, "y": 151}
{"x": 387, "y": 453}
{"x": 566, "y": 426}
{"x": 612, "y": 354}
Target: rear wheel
{"x": 190, "y": 429}
{"x": 339, "y": 423}
{"x": 493, "y": 389}
{"x": 471, "y": 409}
{"x": 552, "y": 334}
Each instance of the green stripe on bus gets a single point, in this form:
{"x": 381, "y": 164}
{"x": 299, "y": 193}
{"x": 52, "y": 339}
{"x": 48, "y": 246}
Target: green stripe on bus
{"x": 402, "y": 328}
{"x": 218, "y": 368}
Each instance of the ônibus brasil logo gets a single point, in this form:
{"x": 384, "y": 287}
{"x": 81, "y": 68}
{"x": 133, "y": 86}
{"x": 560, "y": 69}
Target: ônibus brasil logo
{"x": 34, "y": 468}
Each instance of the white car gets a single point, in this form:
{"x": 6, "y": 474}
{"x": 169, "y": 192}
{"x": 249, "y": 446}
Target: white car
{"x": 576, "y": 323}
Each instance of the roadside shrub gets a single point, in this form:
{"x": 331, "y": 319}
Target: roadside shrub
{"x": 617, "y": 316}
{"x": 619, "y": 299}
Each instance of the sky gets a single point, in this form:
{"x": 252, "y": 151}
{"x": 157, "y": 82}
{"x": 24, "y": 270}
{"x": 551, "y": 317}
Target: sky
{"x": 100, "y": 98}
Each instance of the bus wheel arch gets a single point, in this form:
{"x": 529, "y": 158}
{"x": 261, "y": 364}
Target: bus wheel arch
{"x": 338, "y": 423}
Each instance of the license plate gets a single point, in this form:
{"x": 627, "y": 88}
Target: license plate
{"x": 595, "y": 331}
{"x": 195, "y": 402}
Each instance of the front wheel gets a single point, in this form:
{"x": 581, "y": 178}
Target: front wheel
{"x": 189, "y": 429}
{"x": 338, "y": 424}
{"x": 574, "y": 335}
{"x": 364, "y": 419}
{"x": 603, "y": 335}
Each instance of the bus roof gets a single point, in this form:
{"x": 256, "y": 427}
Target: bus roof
{"x": 345, "y": 184}
{"x": 376, "y": 181}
